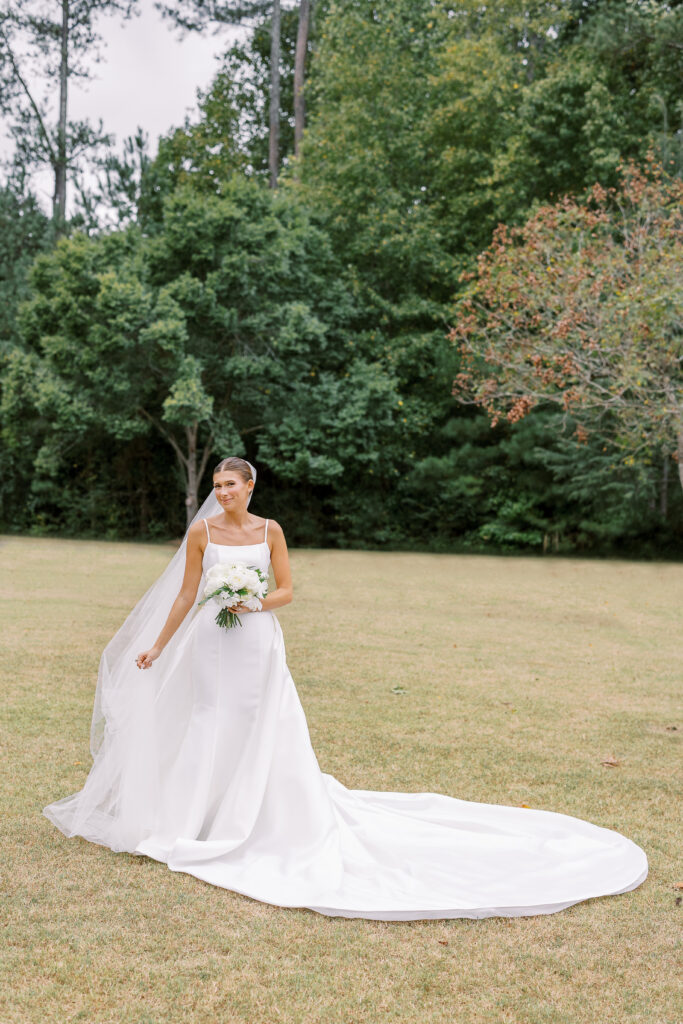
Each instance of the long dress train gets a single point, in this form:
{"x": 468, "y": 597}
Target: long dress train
{"x": 221, "y": 782}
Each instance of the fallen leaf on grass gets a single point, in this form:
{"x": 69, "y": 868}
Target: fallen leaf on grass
{"x": 678, "y": 885}
{"x": 524, "y": 805}
{"x": 442, "y": 942}
{"x": 611, "y": 762}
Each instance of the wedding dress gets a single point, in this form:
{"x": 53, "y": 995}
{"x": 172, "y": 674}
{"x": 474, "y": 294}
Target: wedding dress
{"x": 206, "y": 765}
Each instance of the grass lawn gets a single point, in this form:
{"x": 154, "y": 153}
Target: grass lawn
{"x": 521, "y": 676}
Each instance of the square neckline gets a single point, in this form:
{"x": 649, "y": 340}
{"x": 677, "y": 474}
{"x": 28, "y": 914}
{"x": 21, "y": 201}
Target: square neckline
{"x": 258, "y": 543}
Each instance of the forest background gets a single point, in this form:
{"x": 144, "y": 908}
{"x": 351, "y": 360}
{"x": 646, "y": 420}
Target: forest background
{"x": 421, "y": 320}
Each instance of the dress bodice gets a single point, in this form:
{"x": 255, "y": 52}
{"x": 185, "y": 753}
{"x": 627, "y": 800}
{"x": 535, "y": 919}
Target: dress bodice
{"x": 250, "y": 554}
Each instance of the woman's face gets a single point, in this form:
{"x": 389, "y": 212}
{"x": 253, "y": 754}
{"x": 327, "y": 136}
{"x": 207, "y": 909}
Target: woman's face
{"x": 231, "y": 490}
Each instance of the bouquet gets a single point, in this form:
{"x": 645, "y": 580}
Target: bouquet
{"x": 234, "y": 583}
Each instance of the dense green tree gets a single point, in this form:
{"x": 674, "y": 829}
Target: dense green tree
{"x": 24, "y": 232}
{"x": 433, "y": 124}
{"x": 224, "y": 332}
{"x": 611, "y": 91}
{"x": 363, "y": 158}
{"x": 533, "y": 485}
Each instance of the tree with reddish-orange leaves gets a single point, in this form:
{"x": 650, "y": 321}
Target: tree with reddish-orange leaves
{"x": 583, "y": 307}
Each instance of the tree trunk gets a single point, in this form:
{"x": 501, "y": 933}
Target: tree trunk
{"x": 191, "y": 472}
{"x": 143, "y": 510}
{"x": 194, "y": 471}
{"x": 59, "y": 198}
{"x": 274, "y": 137}
{"x": 664, "y": 487}
{"x": 680, "y": 456}
{"x": 192, "y": 478}
{"x": 299, "y": 68}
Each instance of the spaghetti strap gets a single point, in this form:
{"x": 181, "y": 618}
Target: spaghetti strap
{"x": 265, "y": 536}
{"x": 208, "y": 535}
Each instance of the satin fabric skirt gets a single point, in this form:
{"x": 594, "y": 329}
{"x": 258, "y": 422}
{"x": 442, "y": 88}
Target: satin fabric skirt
{"x": 241, "y": 803}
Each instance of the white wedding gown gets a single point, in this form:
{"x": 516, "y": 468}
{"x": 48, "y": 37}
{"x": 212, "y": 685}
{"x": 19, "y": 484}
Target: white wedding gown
{"x": 222, "y": 783}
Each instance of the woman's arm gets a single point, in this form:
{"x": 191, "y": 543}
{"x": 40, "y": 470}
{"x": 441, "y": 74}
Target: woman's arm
{"x": 183, "y": 602}
{"x": 279, "y": 559}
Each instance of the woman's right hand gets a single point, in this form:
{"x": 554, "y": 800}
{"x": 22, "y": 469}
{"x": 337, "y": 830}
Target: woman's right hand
{"x": 145, "y": 659}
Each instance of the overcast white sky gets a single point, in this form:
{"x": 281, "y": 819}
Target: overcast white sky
{"x": 147, "y": 77}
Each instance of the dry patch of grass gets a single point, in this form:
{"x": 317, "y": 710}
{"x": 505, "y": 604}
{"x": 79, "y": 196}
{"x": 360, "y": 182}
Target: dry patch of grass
{"x": 519, "y": 679}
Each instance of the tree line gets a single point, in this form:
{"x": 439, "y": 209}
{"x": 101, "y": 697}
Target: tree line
{"x": 418, "y": 261}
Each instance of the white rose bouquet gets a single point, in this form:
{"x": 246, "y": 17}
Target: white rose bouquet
{"x": 234, "y": 583}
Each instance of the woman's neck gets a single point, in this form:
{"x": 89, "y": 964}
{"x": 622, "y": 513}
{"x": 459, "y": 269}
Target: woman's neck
{"x": 236, "y": 520}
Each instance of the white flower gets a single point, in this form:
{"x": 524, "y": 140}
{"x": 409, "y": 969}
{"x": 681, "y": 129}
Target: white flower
{"x": 230, "y": 578}
{"x": 215, "y": 575}
{"x": 234, "y": 575}
{"x": 236, "y": 579}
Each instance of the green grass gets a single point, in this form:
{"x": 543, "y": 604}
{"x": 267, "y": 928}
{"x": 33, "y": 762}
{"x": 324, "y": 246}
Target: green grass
{"x": 521, "y": 676}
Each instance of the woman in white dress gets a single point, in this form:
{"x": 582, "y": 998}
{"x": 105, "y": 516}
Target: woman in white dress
{"x": 202, "y": 760}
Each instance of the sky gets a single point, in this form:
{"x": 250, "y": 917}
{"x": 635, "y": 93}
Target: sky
{"x": 147, "y": 77}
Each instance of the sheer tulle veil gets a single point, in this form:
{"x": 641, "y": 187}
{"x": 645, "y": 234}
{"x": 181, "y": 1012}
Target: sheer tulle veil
{"x": 131, "y": 706}
{"x": 118, "y": 674}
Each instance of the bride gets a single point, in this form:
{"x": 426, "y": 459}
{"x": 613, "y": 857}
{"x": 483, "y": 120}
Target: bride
{"x": 202, "y": 760}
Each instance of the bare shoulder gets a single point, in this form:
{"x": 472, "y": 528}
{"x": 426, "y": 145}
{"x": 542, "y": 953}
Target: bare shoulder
{"x": 275, "y": 528}
{"x": 197, "y": 530}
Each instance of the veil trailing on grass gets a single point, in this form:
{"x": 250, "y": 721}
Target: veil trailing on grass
{"x": 130, "y": 707}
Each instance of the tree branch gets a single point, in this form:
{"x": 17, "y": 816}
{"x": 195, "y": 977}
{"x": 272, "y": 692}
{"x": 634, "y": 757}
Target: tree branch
{"x": 168, "y": 437}
{"x": 208, "y": 448}
{"x": 20, "y": 78}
